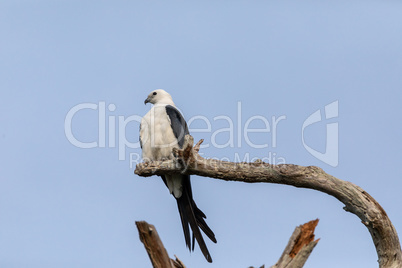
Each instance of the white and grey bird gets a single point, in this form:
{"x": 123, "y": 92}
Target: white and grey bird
{"x": 162, "y": 129}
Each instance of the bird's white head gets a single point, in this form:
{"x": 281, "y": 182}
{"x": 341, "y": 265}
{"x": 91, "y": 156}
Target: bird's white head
{"x": 159, "y": 96}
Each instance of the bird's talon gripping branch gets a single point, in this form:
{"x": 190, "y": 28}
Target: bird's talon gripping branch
{"x": 143, "y": 164}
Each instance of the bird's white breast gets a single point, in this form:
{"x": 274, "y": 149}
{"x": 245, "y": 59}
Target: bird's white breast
{"x": 157, "y": 136}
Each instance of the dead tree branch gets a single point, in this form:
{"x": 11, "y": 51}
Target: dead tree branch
{"x": 296, "y": 253}
{"x": 299, "y": 247}
{"x": 356, "y": 200}
{"x": 154, "y": 247}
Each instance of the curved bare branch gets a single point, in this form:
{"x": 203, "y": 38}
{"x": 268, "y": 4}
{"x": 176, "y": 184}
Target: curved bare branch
{"x": 356, "y": 200}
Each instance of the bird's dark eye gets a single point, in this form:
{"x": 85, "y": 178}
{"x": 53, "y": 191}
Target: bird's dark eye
{"x": 154, "y": 93}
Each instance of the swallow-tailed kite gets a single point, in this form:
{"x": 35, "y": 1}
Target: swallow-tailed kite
{"x": 162, "y": 129}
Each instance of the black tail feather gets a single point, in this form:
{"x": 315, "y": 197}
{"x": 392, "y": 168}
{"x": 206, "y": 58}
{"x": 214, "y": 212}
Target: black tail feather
{"x": 184, "y": 223}
{"x": 200, "y": 216}
{"x": 189, "y": 218}
{"x": 191, "y": 215}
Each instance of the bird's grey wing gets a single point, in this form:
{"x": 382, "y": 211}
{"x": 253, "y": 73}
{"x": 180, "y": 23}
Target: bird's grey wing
{"x": 178, "y": 124}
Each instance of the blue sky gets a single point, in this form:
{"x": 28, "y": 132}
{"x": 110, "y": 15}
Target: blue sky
{"x": 64, "y": 206}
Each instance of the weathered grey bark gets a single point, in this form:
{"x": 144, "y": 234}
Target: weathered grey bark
{"x": 154, "y": 247}
{"x": 356, "y": 200}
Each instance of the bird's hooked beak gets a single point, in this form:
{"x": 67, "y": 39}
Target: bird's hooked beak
{"x": 147, "y": 100}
